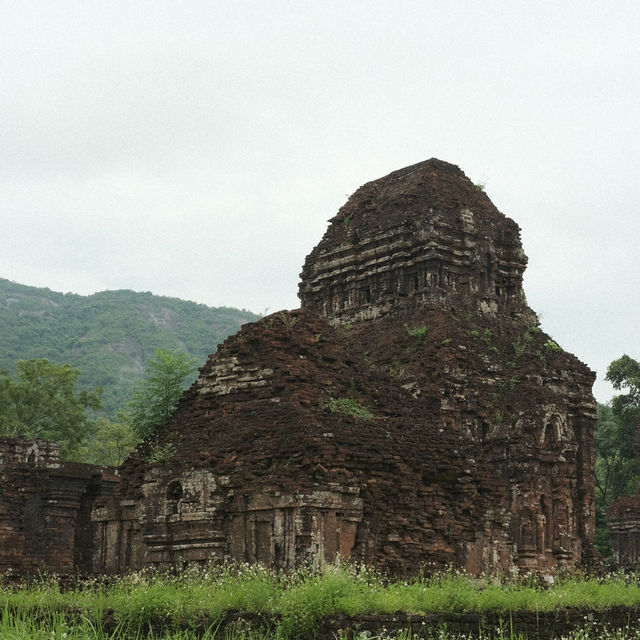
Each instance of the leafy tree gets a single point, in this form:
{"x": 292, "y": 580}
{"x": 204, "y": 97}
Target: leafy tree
{"x": 617, "y": 468}
{"x": 111, "y": 443}
{"x": 42, "y": 402}
{"x": 157, "y": 395}
{"x": 617, "y": 471}
{"x": 107, "y": 335}
{"x": 624, "y": 373}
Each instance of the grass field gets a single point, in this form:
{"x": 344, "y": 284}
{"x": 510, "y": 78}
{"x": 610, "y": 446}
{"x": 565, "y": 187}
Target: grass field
{"x": 194, "y": 604}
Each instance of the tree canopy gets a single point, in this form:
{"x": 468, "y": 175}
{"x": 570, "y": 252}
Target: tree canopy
{"x": 42, "y": 401}
{"x": 624, "y": 373}
{"x": 617, "y": 468}
{"x": 617, "y": 472}
{"x": 109, "y": 336}
{"x": 111, "y": 442}
{"x": 158, "y": 394}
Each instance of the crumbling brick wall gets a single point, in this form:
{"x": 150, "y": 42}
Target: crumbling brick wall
{"x": 45, "y": 508}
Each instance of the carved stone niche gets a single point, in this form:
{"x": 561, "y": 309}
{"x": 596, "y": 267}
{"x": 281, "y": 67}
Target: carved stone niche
{"x": 289, "y": 531}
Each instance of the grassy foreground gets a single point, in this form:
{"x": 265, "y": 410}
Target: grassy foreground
{"x": 194, "y": 603}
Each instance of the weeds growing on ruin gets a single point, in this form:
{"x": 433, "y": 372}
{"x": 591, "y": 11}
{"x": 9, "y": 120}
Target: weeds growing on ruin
{"x": 349, "y": 407}
{"x": 552, "y": 345}
{"x": 162, "y": 454}
{"x": 419, "y": 332}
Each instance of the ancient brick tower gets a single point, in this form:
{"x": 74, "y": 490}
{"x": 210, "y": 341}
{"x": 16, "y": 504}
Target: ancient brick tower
{"x": 412, "y": 412}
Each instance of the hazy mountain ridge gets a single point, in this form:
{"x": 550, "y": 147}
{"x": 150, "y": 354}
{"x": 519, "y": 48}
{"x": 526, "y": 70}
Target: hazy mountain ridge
{"x": 108, "y": 335}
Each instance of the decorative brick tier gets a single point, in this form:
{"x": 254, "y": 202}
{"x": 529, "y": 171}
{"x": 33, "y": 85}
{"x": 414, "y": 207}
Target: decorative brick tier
{"x": 421, "y": 237}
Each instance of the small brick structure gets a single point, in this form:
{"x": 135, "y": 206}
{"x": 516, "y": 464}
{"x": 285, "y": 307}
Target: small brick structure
{"x": 410, "y": 415}
{"x": 623, "y": 519}
{"x": 45, "y": 508}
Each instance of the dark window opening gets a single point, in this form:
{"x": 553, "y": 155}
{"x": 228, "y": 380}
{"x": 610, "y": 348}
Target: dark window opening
{"x": 174, "y": 490}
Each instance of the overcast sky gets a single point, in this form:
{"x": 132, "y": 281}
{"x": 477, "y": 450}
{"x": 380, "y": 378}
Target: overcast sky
{"x": 197, "y": 149}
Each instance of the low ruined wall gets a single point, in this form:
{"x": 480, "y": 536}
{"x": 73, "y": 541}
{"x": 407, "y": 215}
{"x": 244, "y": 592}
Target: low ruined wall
{"x": 45, "y": 508}
{"x": 519, "y": 624}
{"x": 527, "y": 625}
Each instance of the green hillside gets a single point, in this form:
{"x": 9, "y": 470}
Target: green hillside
{"x": 109, "y": 335}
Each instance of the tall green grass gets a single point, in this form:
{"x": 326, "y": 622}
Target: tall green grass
{"x": 292, "y": 605}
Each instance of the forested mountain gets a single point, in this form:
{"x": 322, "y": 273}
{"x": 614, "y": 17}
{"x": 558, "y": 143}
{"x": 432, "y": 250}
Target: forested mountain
{"x": 109, "y": 335}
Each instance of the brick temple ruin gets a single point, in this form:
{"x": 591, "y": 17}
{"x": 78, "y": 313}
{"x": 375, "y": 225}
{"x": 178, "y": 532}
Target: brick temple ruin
{"x": 411, "y": 413}
{"x": 623, "y": 518}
